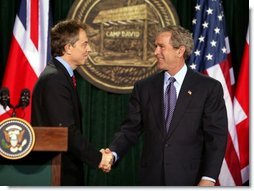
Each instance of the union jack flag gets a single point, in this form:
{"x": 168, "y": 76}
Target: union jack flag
{"x": 241, "y": 112}
{"x": 28, "y": 52}
{"x": 211, "y": 56}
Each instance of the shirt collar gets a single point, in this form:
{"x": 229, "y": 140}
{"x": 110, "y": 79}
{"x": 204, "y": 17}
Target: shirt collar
{"x": 66, "y": 65}
{"x": 179, "y": 76}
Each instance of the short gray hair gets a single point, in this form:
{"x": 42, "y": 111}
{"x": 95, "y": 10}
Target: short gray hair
{"x": 180, "y": 37}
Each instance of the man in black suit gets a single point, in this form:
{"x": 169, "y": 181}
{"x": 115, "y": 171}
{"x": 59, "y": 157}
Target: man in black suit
{"x": 55, "y": 101}
{"x": 190, "y": 150}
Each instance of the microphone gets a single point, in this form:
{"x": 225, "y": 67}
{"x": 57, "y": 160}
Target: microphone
{"x": 5, "y": 97}
{"x": 24, "y": 98}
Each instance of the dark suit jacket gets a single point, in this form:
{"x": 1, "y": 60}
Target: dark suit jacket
{"x": 55, "y": 103}
{"x": 195, "y": 144}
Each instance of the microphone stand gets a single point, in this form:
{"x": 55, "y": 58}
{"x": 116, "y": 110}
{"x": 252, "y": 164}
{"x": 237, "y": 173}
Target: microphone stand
{"x": 14, "y": 112}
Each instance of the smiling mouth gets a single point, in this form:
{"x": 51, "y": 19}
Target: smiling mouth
{"x": 159, "y": 59}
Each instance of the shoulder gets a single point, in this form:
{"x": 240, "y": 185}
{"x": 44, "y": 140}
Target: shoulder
{"x": 201, "y": 78}
{"x": 151, "y": 79}
{"x": 204, "y": 82}
{"x": 52, "y": 75}
{"x": 52, "y": 70}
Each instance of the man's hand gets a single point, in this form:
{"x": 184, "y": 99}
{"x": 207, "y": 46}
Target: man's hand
{"x": 107, "y": 160}
{"x": 206, "y": 183}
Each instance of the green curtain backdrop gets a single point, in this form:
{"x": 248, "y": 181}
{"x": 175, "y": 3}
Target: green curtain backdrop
{"x": 103, "y": 112}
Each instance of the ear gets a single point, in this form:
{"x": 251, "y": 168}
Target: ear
{"x": 181, "y": 51}
{"x": 67, "y": 49}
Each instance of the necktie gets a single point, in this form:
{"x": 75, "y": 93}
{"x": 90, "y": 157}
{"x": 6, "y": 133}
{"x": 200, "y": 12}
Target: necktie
{"x": 169, "y": 102}
{"x": 74, "y": 81}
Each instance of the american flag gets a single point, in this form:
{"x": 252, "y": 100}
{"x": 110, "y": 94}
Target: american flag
{"x": 211, "y": 56}
{"x": 28, "y": 52}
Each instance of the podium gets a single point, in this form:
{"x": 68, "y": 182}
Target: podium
{"x": 52, "y": 139}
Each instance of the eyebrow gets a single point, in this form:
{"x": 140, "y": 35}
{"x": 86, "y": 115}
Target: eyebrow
{"x": 158, "y": 44}
{"x": 84, "y": 42}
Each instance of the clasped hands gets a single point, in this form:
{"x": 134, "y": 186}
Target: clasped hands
{"x": 107, "y": 160}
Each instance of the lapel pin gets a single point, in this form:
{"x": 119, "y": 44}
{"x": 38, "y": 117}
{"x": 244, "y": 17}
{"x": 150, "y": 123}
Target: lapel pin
{"x": 189, "y": 92}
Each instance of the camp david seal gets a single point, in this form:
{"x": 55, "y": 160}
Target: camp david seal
{"x": 121, "y": 34}
{"x": 17, "y": 138}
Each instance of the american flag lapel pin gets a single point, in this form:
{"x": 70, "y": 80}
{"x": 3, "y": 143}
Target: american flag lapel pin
{"x": 189, "y": 92}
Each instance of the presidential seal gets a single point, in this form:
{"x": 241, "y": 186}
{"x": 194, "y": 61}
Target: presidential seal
{"x": 121, "y": 34}
{"x": 17, "y": 138}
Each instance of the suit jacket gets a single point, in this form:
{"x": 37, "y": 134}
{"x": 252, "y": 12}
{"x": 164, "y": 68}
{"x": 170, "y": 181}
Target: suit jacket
{"x": 196, "y": 141}
{"x": 55, "y": 102}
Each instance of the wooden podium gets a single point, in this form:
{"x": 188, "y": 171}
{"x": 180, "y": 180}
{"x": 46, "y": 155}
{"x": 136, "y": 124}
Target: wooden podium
{"x": 52, "y": 139}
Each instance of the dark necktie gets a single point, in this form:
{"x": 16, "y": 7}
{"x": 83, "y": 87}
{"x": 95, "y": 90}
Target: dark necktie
{"x": 74, "y": 81}
{"x": 169, "y": 102}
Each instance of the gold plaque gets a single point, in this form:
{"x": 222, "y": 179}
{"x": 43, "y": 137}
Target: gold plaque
{"x": 121, "y": 34}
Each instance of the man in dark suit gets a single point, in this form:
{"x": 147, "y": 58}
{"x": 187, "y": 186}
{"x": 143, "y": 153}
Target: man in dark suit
{"x": 55, "y": 101}
{"x": 189, "y": 149}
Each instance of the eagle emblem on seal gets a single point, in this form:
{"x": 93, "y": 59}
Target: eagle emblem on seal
{"x": 14, "y": 138}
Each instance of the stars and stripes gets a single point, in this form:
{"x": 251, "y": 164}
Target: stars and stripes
{"x": 211, "y": 56}
{"x": 210, "y": 39}
{"x": 28, "y": 53}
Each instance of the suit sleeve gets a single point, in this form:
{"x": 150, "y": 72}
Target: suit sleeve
{"x": 131, "y": 127}
{"x": 59, "y": 110}
{"x": 215, "y": 131}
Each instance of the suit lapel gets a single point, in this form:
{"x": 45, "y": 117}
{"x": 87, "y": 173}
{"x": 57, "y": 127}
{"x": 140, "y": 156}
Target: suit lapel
{"x": 60, "y": 67}
{"x": 156, "y": 95}
{"x": 183, "y": 100}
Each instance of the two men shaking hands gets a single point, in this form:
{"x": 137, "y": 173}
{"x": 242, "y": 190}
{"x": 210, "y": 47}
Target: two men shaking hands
{"x": 107, "y": 160}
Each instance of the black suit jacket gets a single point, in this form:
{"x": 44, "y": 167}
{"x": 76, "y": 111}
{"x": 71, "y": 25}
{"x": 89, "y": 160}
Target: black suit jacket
{"x": 55, "y": 102}
{"x": 195, "y": 144}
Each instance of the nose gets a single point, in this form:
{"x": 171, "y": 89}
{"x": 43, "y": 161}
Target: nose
{"x": 89, "y": 48}
{"x": 156, "y": 51}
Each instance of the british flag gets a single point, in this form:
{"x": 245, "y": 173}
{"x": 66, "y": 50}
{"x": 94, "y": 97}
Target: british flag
{"x": 241, "y": 112}
{"x": 211, "y": 56}
{"x": 28, "y": 52}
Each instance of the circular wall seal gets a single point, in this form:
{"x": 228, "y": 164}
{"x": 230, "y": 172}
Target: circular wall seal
{"x": 17, "y": 138}
{"x": 121, "y": 34}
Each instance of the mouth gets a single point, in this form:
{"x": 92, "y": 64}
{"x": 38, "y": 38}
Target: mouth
{"x": 159, "y": 59}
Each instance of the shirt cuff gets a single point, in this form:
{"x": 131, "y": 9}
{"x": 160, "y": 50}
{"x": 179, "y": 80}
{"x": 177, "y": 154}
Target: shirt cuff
{"x": 208, "y": 178}
{"x": 115, "y": 156}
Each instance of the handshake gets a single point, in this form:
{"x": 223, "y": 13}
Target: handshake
{"x": 107, "y": 160}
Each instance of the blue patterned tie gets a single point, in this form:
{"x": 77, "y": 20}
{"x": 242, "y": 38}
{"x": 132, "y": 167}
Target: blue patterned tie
{"x": 169, "y": 102}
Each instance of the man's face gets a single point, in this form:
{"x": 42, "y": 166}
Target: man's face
{"x": 165, "y": 53}
{"x": 80, "y": 50}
